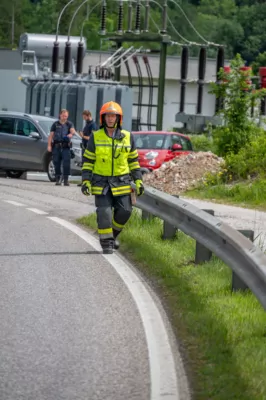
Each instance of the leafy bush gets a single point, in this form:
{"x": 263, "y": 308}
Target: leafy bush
{"x": 250, "y": 160}
{"x": 228, "y": 139}
{"x": 202, "y": 143}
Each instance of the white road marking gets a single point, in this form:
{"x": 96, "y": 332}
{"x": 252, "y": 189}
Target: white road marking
{"x": 37, "y": 211}
{"x": 15, "y": 203}
{"x": 162, "y": 365}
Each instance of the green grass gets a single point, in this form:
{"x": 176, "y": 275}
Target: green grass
{"x": 222, "y": 334}
{"x": 250, "y": 194}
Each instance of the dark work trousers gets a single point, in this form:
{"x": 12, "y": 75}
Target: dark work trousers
{"x": 113, "y": 212}
{"x": 61, "y": 155}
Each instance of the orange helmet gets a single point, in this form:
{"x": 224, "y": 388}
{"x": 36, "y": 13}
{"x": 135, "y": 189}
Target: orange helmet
{"x": 111, "y": 108}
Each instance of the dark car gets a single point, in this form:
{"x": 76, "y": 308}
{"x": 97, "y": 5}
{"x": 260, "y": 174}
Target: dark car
{"x": 23, "y": 145}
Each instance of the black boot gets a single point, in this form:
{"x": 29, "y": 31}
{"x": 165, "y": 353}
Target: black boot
{"x": 66, "y": 183}
{"x": 116, "y": 241}
{"x": 107, "y": 245}
{"x": 57, "y": 181}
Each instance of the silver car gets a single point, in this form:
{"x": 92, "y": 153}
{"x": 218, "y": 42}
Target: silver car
{"x": 23, "y": 145}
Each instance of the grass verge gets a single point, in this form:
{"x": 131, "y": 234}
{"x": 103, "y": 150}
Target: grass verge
{"x": 249, "y": 194}
{"x": 223, "y": 334}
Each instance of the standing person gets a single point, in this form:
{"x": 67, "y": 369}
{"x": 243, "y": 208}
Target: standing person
{"x": 90, "y": 126}
{"x": 59, "y": 143}
{"x": 109, "y": 160}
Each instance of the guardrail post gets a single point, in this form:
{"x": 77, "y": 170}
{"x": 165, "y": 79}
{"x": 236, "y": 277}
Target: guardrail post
{"x": 146, "y": 215}
{"x": 237, "y": 283}
{"x": 202, "y": 253}
{"x": 169, "y": 231}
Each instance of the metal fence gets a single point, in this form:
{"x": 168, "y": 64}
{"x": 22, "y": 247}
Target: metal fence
{"x": 247, "y": 261}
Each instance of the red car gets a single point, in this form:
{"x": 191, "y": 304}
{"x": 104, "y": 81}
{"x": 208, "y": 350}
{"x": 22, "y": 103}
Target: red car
{"x": 158, "y": 147}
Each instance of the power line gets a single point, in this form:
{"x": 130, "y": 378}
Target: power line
{"x": 193, "y": 27}
{"x": 175, "y": 30}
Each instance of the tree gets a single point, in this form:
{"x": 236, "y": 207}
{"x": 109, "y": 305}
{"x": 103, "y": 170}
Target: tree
{"x": 39, "y": 17}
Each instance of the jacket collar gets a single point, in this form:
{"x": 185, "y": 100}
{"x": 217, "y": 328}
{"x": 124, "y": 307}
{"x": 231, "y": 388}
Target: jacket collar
{"x": 118, "y": 135}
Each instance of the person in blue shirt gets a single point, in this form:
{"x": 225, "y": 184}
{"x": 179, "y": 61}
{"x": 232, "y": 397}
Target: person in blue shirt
{"x": 89, "y": 127}
{"x": 59, "y": 143}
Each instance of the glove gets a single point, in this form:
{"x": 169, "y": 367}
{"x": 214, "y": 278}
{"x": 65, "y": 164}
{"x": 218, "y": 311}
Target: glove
{"x": 86, "y": 188}
{"x": 66, "y": 139}
{"x": 140, "y": 187}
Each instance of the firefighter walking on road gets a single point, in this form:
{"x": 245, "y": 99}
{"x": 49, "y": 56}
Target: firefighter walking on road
{"x": 109, "y": 162}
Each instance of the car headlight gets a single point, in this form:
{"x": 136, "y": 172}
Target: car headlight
{"x": 151, "y": 155}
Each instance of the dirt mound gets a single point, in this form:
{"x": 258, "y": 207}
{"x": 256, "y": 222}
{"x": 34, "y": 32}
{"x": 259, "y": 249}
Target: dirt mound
{"x": 184, "y": 172}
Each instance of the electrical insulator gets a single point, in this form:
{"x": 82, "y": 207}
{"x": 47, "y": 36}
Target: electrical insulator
{"x": 184, "y": 62}
{"x": 183, "y": 81}
{"x": 80, "y": 56}
{"x": 262, "y": 72}
{"x": 120, "y": 18}
{"x": 164, "y": 21}
{"x": 201, "y": 77}
{"x": 219, "y": 103}
{"x": 137, "y": 22}
{"x": 96, "y": 72}
{"x": 129, "y": 17}
{"x": 202, "y": 63}
{"x": 103, "y": 19}
{"x": 147, "y": 12}
{"x": 220, "y": 60}
{"x": 67, "y": 59}
{"x": 55, "y": 59}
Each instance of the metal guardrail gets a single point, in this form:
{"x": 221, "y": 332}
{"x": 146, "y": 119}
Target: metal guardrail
{"x": 231, "y": 246}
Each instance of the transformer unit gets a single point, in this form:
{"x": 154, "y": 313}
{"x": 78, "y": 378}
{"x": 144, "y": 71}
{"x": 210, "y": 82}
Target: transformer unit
{"x": 48, "y": 93}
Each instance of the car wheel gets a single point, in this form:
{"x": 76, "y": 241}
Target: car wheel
{"x": 14, "y": 174}
{"x": 51, "y": 170}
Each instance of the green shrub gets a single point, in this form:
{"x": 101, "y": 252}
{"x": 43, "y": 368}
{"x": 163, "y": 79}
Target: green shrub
{"x": 202, "y": 143}
{"x": 229, "y": 139}
{"x": 250, "y": 160}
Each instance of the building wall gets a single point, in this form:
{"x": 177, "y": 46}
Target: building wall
{"x": 12, "y": 91}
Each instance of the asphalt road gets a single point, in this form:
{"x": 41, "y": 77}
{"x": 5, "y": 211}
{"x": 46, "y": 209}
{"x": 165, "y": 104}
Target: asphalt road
{"x": 75, "y": 324}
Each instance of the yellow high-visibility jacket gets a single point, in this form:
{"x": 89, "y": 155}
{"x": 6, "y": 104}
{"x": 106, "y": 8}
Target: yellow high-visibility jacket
{"x": 110, "y": 161}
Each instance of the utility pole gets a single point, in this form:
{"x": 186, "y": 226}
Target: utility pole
{"x": 161, "y": 86}
{"x": 13, "y": 26}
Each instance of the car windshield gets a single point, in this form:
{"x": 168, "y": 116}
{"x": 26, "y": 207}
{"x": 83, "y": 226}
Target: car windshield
{"x": 150, "y": 141}
{"x": 46, "y": 125}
